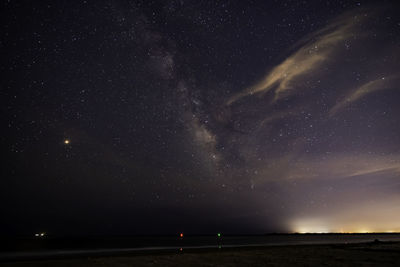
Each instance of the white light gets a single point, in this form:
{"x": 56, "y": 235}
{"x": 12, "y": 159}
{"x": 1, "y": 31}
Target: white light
{"x": 310, "y": 225}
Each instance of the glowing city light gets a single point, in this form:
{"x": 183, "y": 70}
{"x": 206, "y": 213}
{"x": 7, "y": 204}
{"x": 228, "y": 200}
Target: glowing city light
{"x": 319, "y": 225}
{"x": 66, "y": 141}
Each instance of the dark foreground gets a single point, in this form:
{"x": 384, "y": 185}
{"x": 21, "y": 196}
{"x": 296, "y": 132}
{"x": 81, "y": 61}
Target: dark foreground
{"x": 362, "y": 254}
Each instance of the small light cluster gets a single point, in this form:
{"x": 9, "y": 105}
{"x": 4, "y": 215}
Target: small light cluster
{"x": 42, "y": 234}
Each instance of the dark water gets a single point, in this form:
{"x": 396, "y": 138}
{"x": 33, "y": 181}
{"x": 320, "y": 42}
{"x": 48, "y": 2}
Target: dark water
{"x": 24, "y": 249}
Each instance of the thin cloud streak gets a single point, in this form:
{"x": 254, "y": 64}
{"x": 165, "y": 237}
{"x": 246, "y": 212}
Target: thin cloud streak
{"x": 362, "y": 91}
{"x": 342, "y": 166}
{"x": 294, "y": 167}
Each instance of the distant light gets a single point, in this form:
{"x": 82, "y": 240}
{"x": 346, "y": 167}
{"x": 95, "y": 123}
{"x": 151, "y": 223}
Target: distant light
{"x": 181, "y": 235}
{"x": 36, "y": 234}
{"x": 219, "y": 234}
{"x": 311, "y": 225}
{"x": 66, "y": 141}
{"x": 42, "y": 234}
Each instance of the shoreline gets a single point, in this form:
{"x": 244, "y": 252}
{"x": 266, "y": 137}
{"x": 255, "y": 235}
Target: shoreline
{"x": 250, "y": 253}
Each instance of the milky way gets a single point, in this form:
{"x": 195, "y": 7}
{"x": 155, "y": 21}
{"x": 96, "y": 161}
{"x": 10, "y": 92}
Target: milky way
{"x": 237, "y": 116}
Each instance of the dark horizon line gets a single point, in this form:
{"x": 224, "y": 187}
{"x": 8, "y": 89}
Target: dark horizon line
{"x": 177, "y": 235}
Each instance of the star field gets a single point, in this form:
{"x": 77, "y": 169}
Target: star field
{"x": 207, "y": 116}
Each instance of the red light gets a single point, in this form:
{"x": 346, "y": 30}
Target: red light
{"x": 181, "y": 235}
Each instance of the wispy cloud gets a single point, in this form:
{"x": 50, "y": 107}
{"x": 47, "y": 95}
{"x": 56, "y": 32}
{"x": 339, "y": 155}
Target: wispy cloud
{"x": 294, "y": 167}
{"x": 342, "y": 166}
{"x": 365, "y": 89}
{"x": 315, "y": 49}
{"x": 277, "y": 116}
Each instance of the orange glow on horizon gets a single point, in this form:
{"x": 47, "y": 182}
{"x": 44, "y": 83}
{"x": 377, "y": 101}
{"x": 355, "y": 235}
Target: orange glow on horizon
{"x": 323, "y": 225}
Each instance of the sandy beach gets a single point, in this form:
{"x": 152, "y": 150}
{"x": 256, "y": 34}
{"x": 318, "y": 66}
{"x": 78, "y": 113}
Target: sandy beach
{"x": 364, "y": 254}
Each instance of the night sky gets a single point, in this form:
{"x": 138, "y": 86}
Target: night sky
{"x": 156, "y": 117}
